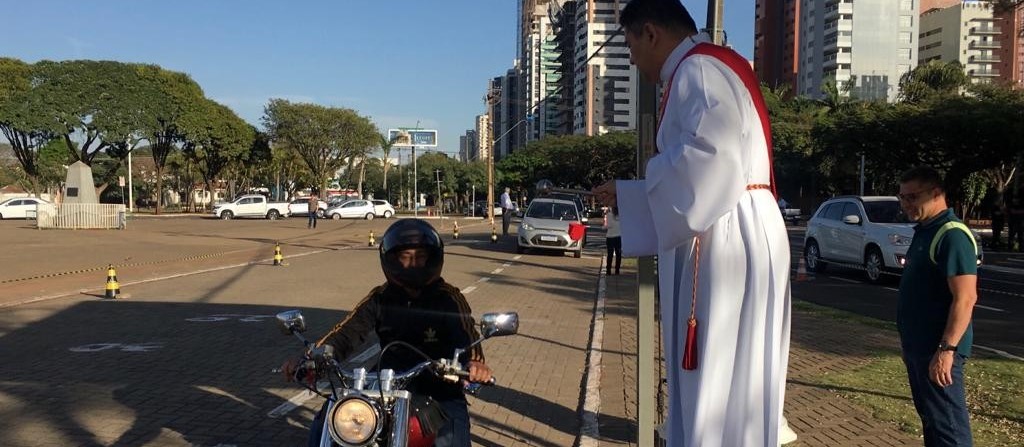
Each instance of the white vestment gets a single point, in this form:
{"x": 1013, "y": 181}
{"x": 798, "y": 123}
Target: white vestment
{"x": 712, "y": 147}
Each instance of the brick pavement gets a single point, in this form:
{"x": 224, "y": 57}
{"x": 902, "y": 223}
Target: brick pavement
{"x": 819, "y": 345}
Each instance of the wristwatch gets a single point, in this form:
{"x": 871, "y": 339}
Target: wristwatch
{"x": 943, "y": 346}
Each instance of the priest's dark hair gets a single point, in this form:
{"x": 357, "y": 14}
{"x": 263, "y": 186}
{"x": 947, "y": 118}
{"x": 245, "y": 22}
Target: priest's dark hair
{"x": 669, "y": 14}
{"x": 925, "y": 176}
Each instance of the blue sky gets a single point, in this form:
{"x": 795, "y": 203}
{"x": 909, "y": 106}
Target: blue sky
{"x": 397, "y": 61}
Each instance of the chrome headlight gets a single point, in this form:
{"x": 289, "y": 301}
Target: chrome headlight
{"x": 354, "y": 421}
{"x": 525, "y": 226}
{"x": 899, "y": 239}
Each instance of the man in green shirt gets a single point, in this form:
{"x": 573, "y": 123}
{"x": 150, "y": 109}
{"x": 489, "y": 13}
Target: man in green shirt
{"x": 937, "y": 295}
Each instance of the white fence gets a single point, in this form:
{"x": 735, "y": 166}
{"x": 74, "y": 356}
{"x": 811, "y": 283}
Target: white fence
{"x": 80, "y": 216}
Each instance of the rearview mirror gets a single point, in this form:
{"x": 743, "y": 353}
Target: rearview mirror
{"x": 852, "y": 219}
{"x": 291, "y": 321}
{"x": 499, "y": 324}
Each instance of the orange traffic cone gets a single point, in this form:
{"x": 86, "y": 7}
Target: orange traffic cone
{"x": 372, "y": 241}
{"x": 455, "y": 232}
{"x": 801, "y": 271}
{"x": 494, "y": 235}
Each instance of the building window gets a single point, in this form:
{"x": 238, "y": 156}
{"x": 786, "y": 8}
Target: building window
{"x": 906, "y": 21}
{"x": 906, "y": 5}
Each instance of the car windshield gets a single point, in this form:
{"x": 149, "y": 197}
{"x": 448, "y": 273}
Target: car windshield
{"x": 552, "y": 210}
{"x": 886, "y": 211}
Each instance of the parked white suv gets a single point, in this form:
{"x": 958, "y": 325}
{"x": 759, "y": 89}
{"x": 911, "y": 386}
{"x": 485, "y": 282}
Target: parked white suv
{"x": 871, "y": 232}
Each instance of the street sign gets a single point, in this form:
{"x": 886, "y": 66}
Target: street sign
{"x": 120, "y": 181}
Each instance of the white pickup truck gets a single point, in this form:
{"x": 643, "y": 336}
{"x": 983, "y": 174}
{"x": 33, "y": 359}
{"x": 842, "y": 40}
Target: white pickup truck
{"x": 253, "y": 205}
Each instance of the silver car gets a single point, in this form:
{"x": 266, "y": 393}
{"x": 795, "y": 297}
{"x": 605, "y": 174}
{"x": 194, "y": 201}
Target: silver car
{"x": 545, "y": 226}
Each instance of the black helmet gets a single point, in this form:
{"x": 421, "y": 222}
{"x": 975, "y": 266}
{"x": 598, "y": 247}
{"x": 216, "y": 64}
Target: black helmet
{"x": 406, "y": 234}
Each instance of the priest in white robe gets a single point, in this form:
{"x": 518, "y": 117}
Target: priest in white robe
{"x": 707, "y": 209}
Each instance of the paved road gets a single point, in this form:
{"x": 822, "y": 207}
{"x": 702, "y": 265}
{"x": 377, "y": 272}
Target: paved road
{"x": 997, "y": 316}
{"x": 187, "y": 360}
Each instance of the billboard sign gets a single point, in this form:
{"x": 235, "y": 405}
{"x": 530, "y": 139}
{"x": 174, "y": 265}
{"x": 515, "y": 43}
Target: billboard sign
{"x": 413, "y": 137}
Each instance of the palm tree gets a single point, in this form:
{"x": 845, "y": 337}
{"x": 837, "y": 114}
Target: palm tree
{"x": 385, "y": 148}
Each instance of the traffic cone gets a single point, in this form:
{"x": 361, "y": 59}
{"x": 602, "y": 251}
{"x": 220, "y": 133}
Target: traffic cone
{"x": 494, "y": 235}
{"x": 113, "y": 289}
{"x": 372, "y": 241}
{"x": 801, "y": 271}
{"x": 278, "y": 259}
{"x": 455, "y": 232}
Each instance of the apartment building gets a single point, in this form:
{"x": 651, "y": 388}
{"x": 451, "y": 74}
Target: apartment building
{"x": 965, "y": 32}
{"x": 862, "y": 46}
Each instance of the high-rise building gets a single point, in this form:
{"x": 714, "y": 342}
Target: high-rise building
{"x": 565, "y": 48}
{"x": 540, "y": 73}
{"x": 1010, "y": 25}
{"x": 468, "y": 146}
{"x": 483, "y": 141}
{"x": 603, "y": 95}
{"x": 776, "y": 47}
{"x": 964, "y": 32}
{"x": 928, "y": 5}
{"x": 862, "y": 46}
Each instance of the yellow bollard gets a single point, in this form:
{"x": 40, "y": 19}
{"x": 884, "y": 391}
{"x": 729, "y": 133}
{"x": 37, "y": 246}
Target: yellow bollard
{"x": 278, "y": 259}
{"x": 113, "y": 288}
{"x": 455, "y": 232}
{"x": 372, "y": 241}
{"x": 494, "y": 235}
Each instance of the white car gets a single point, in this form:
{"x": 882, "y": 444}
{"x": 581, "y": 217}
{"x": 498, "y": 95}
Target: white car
{"x": 545, "y": 226}
{"x": 353, "y": 209}
{"x": 19, "y": 208}
{"x": 300, "y": 207}
{"x": 866, "y": 232}
{"x": 383, "y": 209}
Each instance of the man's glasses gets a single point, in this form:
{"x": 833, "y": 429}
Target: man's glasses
{"x": 911, "y": 197}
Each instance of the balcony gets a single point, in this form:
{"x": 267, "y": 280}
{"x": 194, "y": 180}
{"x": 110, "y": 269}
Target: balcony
{"x": 983, "y": 73}
{"x": 986, "y": 30}
{"x": 985, "y": 45}
{"x": 834, "y": 11}
{"x": 984, "y": 59}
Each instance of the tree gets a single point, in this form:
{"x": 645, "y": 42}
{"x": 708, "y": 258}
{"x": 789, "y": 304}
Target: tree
{"x": 933, "y": 79}
{"x": 215, "y": 138}
{"x": 175, "y": 95}
{"x": 323, "y": 137}
{"x": 21, "y": 120}
{"x": 385, "y": 148}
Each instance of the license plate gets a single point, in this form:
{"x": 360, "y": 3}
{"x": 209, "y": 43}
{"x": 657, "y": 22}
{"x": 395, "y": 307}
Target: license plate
{"x": 549, "y": 238}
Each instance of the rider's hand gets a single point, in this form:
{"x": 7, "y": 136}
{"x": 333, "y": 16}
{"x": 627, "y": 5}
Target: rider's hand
{"x": 288, "y": 369}
{"x": 479, "y": 372}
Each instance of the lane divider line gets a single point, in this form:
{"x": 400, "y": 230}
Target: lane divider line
{"x": 999, "y": 352}
{"x": 589, "y": 429}
{"x": 468, "y": 290}
{"x": 989, "y": 308}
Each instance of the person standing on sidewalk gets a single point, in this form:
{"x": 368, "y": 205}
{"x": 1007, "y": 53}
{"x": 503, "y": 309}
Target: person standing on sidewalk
{"x": 613, "y": 240}
{"x": 507, "y": 208}
{"x": 707, "y": 208}
{"x": 312, "y": 209}
{"x": 938, "y": 291}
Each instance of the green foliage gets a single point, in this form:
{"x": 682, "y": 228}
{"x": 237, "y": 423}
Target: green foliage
{"x": 933, "y": 80}
{"x": 325, "y": 138}
{"x": 215, "y": 138}
{"x": 574, "y": 161}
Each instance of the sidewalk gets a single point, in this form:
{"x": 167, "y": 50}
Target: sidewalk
{"x": 819, "y": 345}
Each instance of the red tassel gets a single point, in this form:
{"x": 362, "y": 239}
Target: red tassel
{"x": 690, "y": 351}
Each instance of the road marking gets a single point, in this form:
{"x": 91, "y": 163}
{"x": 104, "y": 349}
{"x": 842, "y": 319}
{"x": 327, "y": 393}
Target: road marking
{"x": 1000, "y": 269}
{"x": 507, "y": 264}
{"x": 518, "y": 257}
{"x": 484, "y": 279}
{"x": 497, "y": 271}
{"x": 845, "y": 279}
{"x": 891, "y": 288}
{"x": 999, "y": 352}
{"x": 589, "y": 432}
{"x": 989, "y": 308}
{"x": 1000, "y": 292}
{"x": 468, "y": 290}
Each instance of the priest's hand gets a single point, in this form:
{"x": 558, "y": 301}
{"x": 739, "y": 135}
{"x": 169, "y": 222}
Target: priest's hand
{"x": 606, "y": 193}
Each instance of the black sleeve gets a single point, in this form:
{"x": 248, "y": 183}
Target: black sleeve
{"x": 353, "y": 331}
{"x": 462, "y": 324}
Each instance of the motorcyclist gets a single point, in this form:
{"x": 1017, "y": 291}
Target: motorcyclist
{"x": 418, "y": 307}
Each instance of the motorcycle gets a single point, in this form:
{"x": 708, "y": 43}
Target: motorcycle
{"x": 374, "y": 408}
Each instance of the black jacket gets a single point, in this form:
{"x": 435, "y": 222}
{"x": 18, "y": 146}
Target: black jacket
{"x": 436, "y": 322}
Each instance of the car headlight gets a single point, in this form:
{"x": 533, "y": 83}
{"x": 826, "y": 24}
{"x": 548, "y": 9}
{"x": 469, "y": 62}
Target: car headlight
{"x": 354, "y": 421}
{"x": 899, "y": 239}
{"x": 525, "y": 226}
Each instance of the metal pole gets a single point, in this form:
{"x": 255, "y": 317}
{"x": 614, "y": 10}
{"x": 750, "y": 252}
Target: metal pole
{"x": 647, "y": 406}
{"x": 716, "y": 13}
{"x": 472, "y": 203}
{"x": 862, "y": 174}
{"x": 131, "y": 196}
{"x": 415, "y": 183}
{"x": 440, "y": 208}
